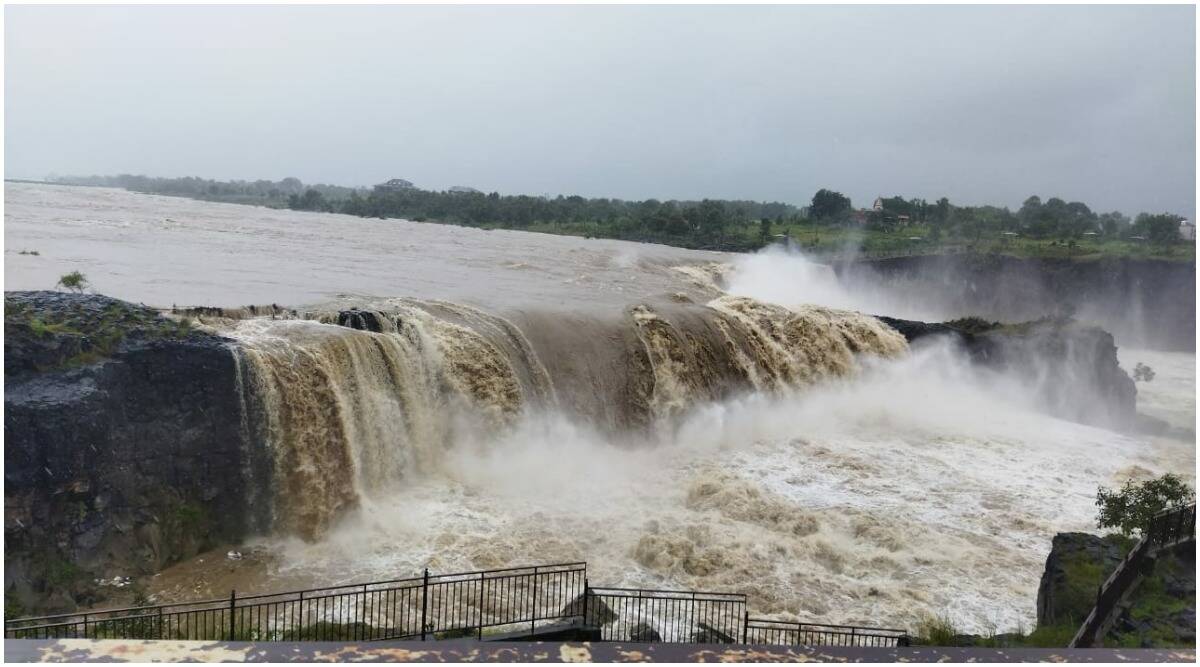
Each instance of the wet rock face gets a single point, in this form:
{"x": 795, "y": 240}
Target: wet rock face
{"x": 1160, "y": 612}
{"x": 1072, "y": 368}
{"x": 1143, "y": 302}
{"x": 124, "y": 450}
{"x": 1077, "y": 565}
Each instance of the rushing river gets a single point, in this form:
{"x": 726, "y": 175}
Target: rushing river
{"x": 846, "y": 478}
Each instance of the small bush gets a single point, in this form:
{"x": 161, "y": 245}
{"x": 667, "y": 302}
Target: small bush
{"x": 1131, "y": 509}
{"x": 936, "y": 631}
{"x": 73, "y": 281}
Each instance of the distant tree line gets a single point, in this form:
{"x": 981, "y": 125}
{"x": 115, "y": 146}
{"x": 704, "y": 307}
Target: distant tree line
{"x": 269, "y": 192}
{"x": 1052, "y": 219}
{"x": 708, "y": 223}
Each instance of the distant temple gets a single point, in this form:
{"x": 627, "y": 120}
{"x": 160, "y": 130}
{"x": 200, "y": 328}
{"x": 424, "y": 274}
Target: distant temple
{"x": 394, "y": 185}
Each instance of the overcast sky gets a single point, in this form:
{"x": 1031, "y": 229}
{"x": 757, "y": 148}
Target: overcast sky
{"x": 980, "y": 104}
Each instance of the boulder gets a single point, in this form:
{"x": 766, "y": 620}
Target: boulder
{"x": 597, "y": 612}
{"x": 1077, "y": 565}
{"x": 710, "y": 635}
{"x": 644, "y": 632}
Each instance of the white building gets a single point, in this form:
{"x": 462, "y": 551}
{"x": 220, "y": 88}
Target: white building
{"x": 1187, "y": 230}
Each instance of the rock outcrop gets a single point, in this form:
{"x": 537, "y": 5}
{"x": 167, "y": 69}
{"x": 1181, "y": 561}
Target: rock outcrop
{"x": 1161, "y": 611}
{"x": 124, "y": 446}
{"x": 1073, "y": 368}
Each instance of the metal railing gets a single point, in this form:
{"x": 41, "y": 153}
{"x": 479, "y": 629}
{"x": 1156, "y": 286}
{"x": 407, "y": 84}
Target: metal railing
{"x": 1166, "y": 530}
{"x": 642, "y": 615}
{"x": 426, "y": 607}
{"x": 764, "y": 631}
{"x": 1172, "y": 527}
{"x": 447, "y": 606}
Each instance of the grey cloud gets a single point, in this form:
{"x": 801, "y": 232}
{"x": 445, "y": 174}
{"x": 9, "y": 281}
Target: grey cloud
{"x": 981, "y": 104}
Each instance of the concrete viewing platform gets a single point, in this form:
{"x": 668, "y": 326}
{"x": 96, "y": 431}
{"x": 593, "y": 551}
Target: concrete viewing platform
{"x": 112, "y": 650}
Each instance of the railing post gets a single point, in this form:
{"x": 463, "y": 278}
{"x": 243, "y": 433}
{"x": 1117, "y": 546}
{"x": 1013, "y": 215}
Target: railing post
{"x": 481, "y": 580}
{"x": 424, "y": 602}
{"x": 160, "y": 622}
{"x": 232, "y": 603}
{"x": 639, "y": 613}
{"x": 745, "y": 625}
{"x": 587, "y": 592}
{"x": 85, "y": 626}
{"x": 533, "y": 604}
{"x": 362, "y": 614}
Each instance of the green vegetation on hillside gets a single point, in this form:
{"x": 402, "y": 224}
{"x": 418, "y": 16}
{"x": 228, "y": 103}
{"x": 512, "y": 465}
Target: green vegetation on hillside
{"x": 828, "y": 224}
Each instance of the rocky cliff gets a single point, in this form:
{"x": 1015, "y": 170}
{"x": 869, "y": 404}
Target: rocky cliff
{"x": 1143, "y": 302}
{"x": 1072, "y": 367}
{"x": 1161, "y": 612}
{"x": 124, "y": 446}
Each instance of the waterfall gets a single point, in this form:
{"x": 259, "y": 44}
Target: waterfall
{"x": 354, "y": 401}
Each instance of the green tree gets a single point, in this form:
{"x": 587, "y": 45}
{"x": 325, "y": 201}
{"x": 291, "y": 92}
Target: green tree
{"x": 311, "y": 200}
{"x": 764, "y": 230}
{"x": 1131, "y": 509}
{"x": 1078, "y": 219}
{"x": 1112, "y": 224}
{"x": 1161, "y": 229}
{"x": 897, "y": 206}
{"x": 711, "y": 219}
{"x": 829, "y": 205}
{"x": 941, "y": 211}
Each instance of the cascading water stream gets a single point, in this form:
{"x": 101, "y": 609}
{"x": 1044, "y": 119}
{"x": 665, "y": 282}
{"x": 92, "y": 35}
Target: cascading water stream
{"x": 349, "y": 413}
{"x": 353, "y": 402}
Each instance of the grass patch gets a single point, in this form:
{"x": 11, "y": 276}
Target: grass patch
{"x": 78, "y": 334}
{"x": 1050, "y": 636}
{"x": 1154, "y": 607}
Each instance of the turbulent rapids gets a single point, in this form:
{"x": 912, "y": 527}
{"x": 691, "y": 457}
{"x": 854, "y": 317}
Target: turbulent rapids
{"x": 352, "y": 402}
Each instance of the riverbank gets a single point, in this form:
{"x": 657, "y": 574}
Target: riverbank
{"x": 729, "y": 226}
